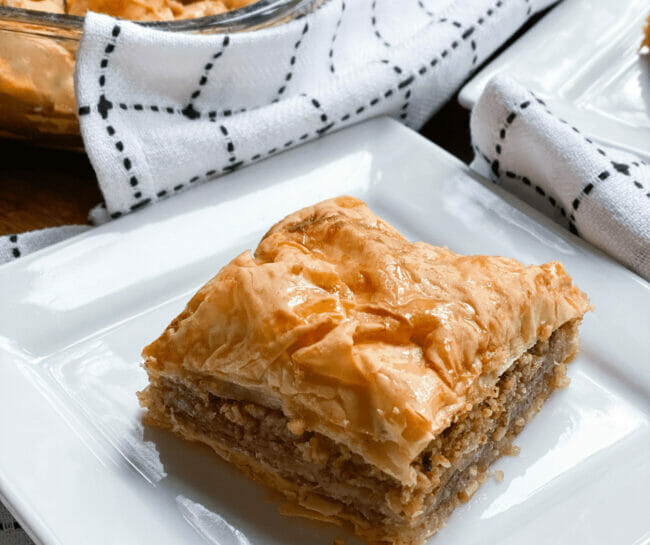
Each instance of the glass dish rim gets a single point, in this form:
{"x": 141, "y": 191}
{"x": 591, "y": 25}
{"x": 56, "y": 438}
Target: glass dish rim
{"x": 258, "y": 13}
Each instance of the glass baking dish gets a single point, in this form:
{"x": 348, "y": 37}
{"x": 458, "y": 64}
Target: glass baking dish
{"x": 37, "y": 57}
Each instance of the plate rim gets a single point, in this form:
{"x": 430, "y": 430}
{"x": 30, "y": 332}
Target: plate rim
{"x": 472, "y": 90}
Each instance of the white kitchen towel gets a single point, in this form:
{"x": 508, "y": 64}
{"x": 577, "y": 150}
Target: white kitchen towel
{"x": 598, "y": 193}
{"x": 15, "y": 246}
{"x": 162, "y": 111}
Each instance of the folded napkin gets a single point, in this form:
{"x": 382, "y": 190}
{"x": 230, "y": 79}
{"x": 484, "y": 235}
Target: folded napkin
{"x": 599, "y": 193}
{"x": 161, "y": 112}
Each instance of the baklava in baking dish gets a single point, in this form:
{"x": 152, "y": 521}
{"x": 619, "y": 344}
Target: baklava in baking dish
{"x": 137, "y": 10}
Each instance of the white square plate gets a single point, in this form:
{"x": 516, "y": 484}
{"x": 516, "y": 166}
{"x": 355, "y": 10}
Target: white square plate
{"x": 582, "y": 59}
{"x": 76, "y": 466}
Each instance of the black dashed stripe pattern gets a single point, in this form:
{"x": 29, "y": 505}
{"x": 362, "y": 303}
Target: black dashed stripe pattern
{"x": 404, "y": 108}
{"x": 375, "y": 26}
{"x": 334, "y": 36}
{"x": 397, "y": 99}
{"x": 104, "y": 106}
{"x": 191, "y": 113}
{"x": 426, "y": 10}
{"x": 207, "y": 68}
{"x": 422, "y": 71}
{"x": 18, "y": 245}
{"x": 619, "y": 167}
{"x": 15, "y": 251}
{"x": 613, "y": 172}
{"x": 292, "y": 61}
{"x": 233, "y": 162}
{"x": 496, "y": 174}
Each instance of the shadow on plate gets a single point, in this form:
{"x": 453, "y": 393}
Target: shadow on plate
{"x": 226, "y": 507}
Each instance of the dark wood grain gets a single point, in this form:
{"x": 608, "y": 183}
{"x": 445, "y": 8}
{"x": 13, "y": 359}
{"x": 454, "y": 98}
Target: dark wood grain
{"x": 44, "y": 188}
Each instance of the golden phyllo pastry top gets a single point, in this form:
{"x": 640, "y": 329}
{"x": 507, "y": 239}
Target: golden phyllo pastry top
{"x": 358, "y": 334}
{"x": 138, "y": 10}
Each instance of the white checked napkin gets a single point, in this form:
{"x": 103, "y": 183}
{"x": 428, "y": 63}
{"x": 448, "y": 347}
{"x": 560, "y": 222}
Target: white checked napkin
{"x": 161, "y": 112}
{"x": 598, "y": 193}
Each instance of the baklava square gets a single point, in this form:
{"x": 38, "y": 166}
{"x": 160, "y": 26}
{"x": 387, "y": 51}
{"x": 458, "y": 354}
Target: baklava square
{"x": 368, "y": 379}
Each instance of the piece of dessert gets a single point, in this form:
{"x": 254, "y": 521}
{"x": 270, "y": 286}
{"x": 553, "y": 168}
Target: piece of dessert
{"x": 646, "y": 31}
{"x": 138, "y": 10}
{"x": 155, "y": 10}
{"x": 52, "y": 6}
{"x": 368, "y": 379}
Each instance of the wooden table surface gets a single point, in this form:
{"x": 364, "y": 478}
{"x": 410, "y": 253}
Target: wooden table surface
{"x": 46, "y": 188}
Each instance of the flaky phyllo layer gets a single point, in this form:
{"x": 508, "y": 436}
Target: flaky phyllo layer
{"x": 360, "y": 335}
